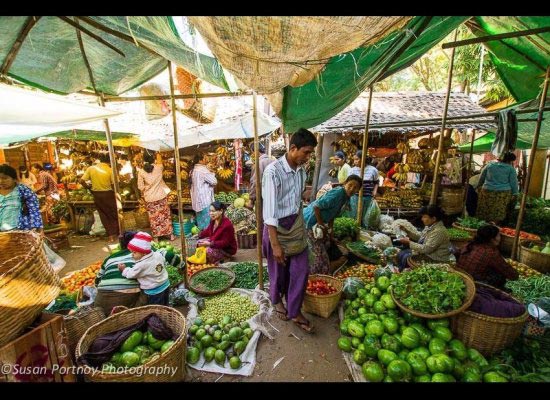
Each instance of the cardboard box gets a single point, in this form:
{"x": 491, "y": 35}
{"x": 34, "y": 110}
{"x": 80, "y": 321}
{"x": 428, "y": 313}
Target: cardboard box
{"x": 41, "y": 355}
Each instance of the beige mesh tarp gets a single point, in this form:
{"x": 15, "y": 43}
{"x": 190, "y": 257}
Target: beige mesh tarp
{"x": 269, "y": 53}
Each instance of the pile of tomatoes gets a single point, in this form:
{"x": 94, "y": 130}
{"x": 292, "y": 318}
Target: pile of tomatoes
{"x": 83, "y": 277}
{"x": 522, "y": 235}
{"x": 319, "y": 287}
{"x": 365, "y": 272}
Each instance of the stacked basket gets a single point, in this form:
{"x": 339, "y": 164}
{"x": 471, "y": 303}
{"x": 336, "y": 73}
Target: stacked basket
{"x": 534, "y": 259}
{"x": 323, "y": 305}
{"x": 28, "y": 283}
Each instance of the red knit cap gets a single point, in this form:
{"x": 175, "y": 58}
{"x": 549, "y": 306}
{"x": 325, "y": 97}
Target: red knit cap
{"x": 141, "y": 243}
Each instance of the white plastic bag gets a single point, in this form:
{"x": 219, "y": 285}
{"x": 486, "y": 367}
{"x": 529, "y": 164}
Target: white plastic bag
{"x": 97, "y": 228}
{"x": 54, "y": 259}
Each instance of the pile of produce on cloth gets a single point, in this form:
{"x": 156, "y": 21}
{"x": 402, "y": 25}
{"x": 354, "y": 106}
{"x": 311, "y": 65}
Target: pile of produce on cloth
{"x": 83, "y": 277}
{"x": 139, "y": 349}
{"x": 459, "y": 234}
{"x": 429, "y": 289}
{"x": 367, "y": 250}
{"x": 246, "y": 274}
{"x": 345, "y": 227}
{"x": 193, "y": 268}
{"x": 365, "y": 272}
{"x": 522, "y": 235}
{"x": 383, "y": 344}
{"x": 471, "y": 222}
{"x": 210, "y": 281}
{"x": 523, "y": 270}
{"x": 530, "y": 289}
{"x": 224, "y": 335}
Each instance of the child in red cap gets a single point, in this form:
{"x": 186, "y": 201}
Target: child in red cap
{"x": 148, "y": 270}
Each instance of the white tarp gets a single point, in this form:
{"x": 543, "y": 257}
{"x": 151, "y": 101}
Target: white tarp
{"x": 27, "y": 114}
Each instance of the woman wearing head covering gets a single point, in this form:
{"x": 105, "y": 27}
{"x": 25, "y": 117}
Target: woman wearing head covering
{"x": 370, "y": 186}
{"x": 432, "y": 243}
{"x": 26, "y": 177}
{"x": 219, "y": 236}
{"x": 19, "y": 207}
{"x": 344, "y": 168}
{"x": 499, "y": 189}
{"x": 155, "y": 193}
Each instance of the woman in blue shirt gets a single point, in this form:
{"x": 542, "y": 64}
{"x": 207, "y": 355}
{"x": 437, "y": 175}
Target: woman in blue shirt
{"x": 19, "y": 206}
{"x": 322, "y": 212}
{"x": 498, "y": 185}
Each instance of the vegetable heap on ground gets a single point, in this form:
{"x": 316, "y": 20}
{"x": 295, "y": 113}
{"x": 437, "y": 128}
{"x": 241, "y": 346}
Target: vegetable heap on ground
{"x": 84, "y": 277}
{"x": 240, "y": 308}
{"x": 319, "y": 287}
{"x": 174, "y": 275}
{"x": 391, "y": 346}
{"x": 194, "y": 268}
{"x": 246, "y": 275}
{"x": 210, "y": 281}
{"x": 471, "y": 222}
{"x": 218, "y": 339}
{"x": 139, "y": 349}
{"x": 345, "y": 227}
{"x": 523, "y": 270}
{"x": 430, "y": 290}
{"x": 365, "y": 272}
{"x": 459, "y": 234}
{"x": 366, "y": 250}
{"x": 531, "y": 289}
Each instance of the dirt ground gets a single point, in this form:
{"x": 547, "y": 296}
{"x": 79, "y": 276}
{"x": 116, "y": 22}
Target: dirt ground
{"x": 307, "y": 357}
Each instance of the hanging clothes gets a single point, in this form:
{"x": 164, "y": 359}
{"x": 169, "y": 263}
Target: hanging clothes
{"x": 238, "y": 163}
{"x": 507, "y": 133}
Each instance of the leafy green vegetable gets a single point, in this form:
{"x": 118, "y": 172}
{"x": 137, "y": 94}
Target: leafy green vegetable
{"x": 530, "y": 289}
{"x": 64, "y": 302}
{"x": 471, "y": 222}
{"x": 345, "y": 227}
{"x": 174, "y": 275}
{"x": 431, "y": 290}
{"x": 527, "y": 360}
{"x": 536, "y": 218}
{"x": 458, "y": 234}
{"x": 246, "y": 275}
{"x": 366, "y": 250}
{"x": 210, "y": 280}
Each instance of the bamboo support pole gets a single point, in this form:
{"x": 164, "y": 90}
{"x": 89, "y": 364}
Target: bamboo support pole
{"x": 363, "y": 159}
{"x": 530, "y": 166}
{"x": 436, "y": 181}
{"x": 547, "y": 175}
{"x": 258, "y": 192}
{"x": 10, "y": 58}
{"x": 177, "y": 96}
{"x": 318, "y": 162}
{"x": 178, "y": 176}
{"x": 469, "y": 170}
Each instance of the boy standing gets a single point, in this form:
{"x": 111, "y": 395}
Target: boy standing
{"x": 148, "y": 270}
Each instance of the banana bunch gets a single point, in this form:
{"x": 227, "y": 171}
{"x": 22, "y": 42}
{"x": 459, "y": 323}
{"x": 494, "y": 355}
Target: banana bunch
{"x": 403, "y": 147}
{"x": 333, "y": 173}
{"x": 332, "y": 160}
{"x": 401, "y": 174}
{"x": 347, "y": 146}
{"x": 71, "y": 177}
{"x": 184, "y": 175}
{"x": 224, "y": 173}
{"x": 414, "y": 157}
{"x": 222, "y": 152}
{"x": 168, "y": 173}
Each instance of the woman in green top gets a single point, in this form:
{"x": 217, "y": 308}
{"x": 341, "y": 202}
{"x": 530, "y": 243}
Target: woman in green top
{"x": 322, "y": 213}
{"x": 344, "y": 168}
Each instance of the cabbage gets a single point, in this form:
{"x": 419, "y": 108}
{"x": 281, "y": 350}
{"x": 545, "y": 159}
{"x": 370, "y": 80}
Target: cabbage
{"x": 351, "y": 286}
{"x": 239, "y": 203}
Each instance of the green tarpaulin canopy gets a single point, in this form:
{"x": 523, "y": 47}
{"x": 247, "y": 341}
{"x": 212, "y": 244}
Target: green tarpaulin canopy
{"x": 50, "y": 57}
{"x": 483, "y": 144}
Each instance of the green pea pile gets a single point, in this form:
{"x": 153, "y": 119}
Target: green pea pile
{"x": 239, "y": 308}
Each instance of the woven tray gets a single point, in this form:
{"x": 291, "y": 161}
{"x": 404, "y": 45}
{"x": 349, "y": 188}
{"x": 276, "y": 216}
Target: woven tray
{"x": 458, "y": 226}
{"x": 209, "y": 293}
{"x": 323, "y": 305}
{"x": 365, "y": 258}
{"x": 470, "y": 294}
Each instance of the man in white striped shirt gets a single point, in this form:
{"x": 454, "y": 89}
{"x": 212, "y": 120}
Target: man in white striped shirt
{"x": 203, "y": 182}
{"x": 283, "y": 183}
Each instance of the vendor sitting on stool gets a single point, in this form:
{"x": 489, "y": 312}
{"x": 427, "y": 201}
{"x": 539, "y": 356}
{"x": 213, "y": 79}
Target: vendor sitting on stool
{"x": 433, "y": 242}
{"x": 219, "y": 236}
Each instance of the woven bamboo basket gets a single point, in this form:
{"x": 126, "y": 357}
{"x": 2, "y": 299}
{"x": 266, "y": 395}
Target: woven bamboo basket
{"x": 459, "y": 244}
{"x": 469, "y": 298}
{"x": 174, "y": 357}
{"x": 487, "y": 334}
{"x": 534, "y": 259}
{"x": 418, "y": 260}
{"x": 142, "y": 220}
{"x": 452, "y": 200}
{"x": 76, "y": 324}
{"x": 323, "y": 305}
{"x": 458, "y": 226}
{"x": 28, "y": 283}
{"x": 506, "y": 243}
{"x": 129, "y": 221}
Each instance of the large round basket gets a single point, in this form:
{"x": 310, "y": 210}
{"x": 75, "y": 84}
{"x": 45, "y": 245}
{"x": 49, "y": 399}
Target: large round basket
{"x": 459, "y": 244}
{"x": 323, "y": 305}
{"x": 487, "y": 334}
{"x": 28, "y": 283}
{"x": 76, "y": 324}
{"x": 470, "y": 293}
{"x": 506, "y": 243}
{"x": 365, "y": 258}
{"x": 204, "y": 292}
{"x": 174, "y": 357}
{"x": 458, "y": 226}
{"x": 534, "y": 259}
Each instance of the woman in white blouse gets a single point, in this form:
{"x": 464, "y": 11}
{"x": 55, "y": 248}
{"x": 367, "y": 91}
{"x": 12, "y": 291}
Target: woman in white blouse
{"x": 155, "y": 193}
{"x": 26, "y": 177}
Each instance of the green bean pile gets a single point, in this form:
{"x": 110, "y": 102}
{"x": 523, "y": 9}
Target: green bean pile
{"x": 210, "y": 280}
{"x": 239, "y": 308}
{"x": 530, "y": 289}
{"x": 246, "y": 275}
